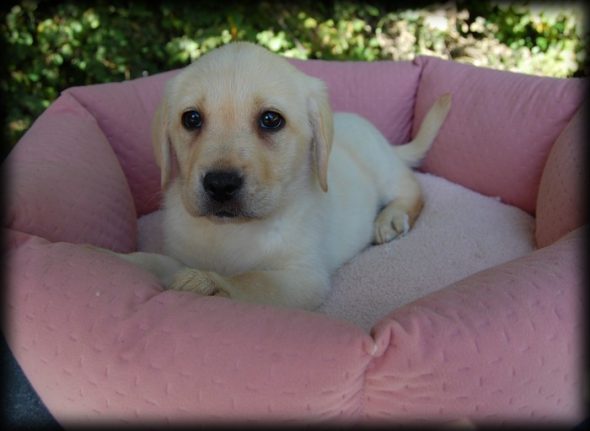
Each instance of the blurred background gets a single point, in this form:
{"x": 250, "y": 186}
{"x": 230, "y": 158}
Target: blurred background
{"x": 49, "y": 46}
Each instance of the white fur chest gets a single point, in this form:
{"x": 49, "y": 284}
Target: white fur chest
{"x": 226, "y": 248}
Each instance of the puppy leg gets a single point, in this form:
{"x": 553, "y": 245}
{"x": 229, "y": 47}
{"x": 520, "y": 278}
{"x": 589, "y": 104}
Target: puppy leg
{"x": 399, "y": 215}
{"x": 301, "y": 287}
{"x": 165, "y": 268}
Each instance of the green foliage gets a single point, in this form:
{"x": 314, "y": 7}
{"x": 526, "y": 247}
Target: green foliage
{"x": 50, "y": 46}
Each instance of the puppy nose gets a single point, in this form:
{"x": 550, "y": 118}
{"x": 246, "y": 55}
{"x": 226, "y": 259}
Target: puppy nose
{"x": 222, "y": 186}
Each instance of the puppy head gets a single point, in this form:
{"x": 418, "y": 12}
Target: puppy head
{"x": 245, "y": 130}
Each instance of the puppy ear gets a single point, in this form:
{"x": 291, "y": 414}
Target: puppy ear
{"x": 320, "y": 118}
{"x": 161, "y": 144}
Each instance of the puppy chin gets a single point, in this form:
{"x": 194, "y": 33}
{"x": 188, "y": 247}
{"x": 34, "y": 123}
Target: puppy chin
{"x": 240, "y": 210}
{"x": 223, "y": 217}
{"x": 226, "y": 213}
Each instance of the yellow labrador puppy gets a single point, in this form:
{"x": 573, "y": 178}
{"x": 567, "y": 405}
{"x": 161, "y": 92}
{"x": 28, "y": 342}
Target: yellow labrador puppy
{"x": 266, "y": 191}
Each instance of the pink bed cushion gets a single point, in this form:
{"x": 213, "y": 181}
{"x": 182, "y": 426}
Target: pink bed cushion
{"x": 503, "y": 347}
{"x": 124, "y": 113}
{"x": 103, "y": 342}
{"x": 65, "y": 182}
{"x": 501, "y": 127}
{"x": 560, "y": 203}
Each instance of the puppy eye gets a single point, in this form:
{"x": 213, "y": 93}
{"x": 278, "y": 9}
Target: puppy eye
{"x": 270, "y": 120}
{"x": 191, "y": 120}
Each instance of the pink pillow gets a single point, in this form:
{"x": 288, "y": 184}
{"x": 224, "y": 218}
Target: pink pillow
{"x": 500, "y": 129}
{"x": 560, "y": 203}
{"x": 65, "y": 180}
{"x": 124, "y": 112}
{"x": 100, "y": 341}
{"x": 490, "y": 347}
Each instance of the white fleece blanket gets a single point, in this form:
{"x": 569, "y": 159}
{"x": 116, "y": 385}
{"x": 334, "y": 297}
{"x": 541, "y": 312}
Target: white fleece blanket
{"x": 458, "y": 233}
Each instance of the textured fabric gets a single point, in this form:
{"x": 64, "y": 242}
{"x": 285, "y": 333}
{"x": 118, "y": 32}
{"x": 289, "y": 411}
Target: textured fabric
{"x": 500, "y": 129}
{"x": 64, "y": 183}
{"x": 560, "y": 204}
{"x": 124, "y": 112}
{"x": 100, "y": 341}
{"x": 103, "y": 341}
{"x": 501, "y": 346}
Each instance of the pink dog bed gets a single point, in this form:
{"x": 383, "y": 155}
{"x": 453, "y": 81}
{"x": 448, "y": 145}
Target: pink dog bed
{"x": 475, "y": 314}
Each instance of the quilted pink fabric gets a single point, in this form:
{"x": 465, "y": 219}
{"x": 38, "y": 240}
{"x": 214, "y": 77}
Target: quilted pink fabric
{"x": 101, "y": 341}
{"x": 498, "y": 135}
{"x": 501, "y": 346}
{"x": 560, "y": 206}
{"x": 65, "y": 182}
{"x": 124, "y": 112}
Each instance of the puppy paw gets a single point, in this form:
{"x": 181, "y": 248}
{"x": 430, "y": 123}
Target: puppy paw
{"x": 391, "y": 225}
{"x": 200, "y": 282}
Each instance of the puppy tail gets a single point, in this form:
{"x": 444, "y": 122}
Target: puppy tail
{"x": 413, "y": 152}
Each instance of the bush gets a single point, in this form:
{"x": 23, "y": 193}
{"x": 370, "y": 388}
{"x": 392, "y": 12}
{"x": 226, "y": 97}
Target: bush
{"x": 50, "y": 46}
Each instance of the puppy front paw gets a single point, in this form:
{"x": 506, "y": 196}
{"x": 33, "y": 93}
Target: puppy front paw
{"x": 193, "y": 280}
{"x": 391, "y": 225}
